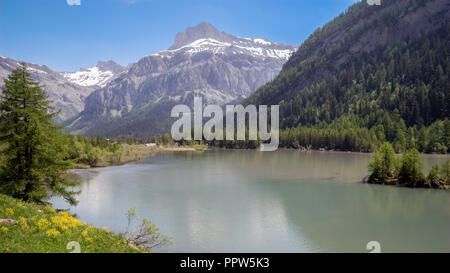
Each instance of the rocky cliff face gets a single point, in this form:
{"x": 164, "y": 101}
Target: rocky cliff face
{"x": 203, "y": 61}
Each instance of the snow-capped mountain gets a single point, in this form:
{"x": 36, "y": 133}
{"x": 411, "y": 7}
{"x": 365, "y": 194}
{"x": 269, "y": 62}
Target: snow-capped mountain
{"x": 202, "y": 62}
{"x": 97, "y": 76}
{"x": 205, "y": 37}
{"x": 65, "y": 95}
{"x": 256, "y": 47}
{"x": 68, "y": 91}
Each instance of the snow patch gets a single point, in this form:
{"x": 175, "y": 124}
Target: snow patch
{"x": 36, "y": 70}
{"x": 89, "y": 77}
{"x": 217, "y": 47}
{"x": 262, "y": 41}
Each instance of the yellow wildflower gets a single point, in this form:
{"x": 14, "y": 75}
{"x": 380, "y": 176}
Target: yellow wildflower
{"x": 52, "y": 232}
{"x": 85, "y": 232}
{"x": 105, "y": 228}
{"x": 23, "y": 222}
{"x": 50, "y": 209}
{"x": 43, "y": 223}
{"x": 65, "y": 221}
{"x": 4, "y": 229}
{"x": 9, "y": 211}
{"x": 64, "y": 228}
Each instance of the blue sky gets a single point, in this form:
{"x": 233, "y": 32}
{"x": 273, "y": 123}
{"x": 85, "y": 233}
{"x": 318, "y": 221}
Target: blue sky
{"x": 66, "y": 37}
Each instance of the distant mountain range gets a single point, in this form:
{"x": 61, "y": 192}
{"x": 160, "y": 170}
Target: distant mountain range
{"x": 68, "y": 91}
{"x": 202, "y": 62}
{"x": 112, "y": 100}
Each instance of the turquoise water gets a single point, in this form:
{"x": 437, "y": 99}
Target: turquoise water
{"x": 249, "y": 201}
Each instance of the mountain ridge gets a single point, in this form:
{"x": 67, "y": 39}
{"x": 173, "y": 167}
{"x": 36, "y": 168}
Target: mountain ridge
{"x": 68, "y": 94}
{"x": 373, "y": 74}
{"x": 220, "y": 71}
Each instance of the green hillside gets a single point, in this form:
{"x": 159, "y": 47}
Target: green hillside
{"x": 40, "y": 229}
{"x": 373, "y": 74}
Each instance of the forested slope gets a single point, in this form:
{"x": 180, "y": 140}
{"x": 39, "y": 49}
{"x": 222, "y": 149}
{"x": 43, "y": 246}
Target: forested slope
{"x": 374, "y": 73}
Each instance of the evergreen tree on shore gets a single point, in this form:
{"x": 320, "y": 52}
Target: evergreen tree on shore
{"x": 411, "y": 171}
{"x": 35, "y": 153}
{"x": 383, "y": 165}
{"x": 386, "y": 168}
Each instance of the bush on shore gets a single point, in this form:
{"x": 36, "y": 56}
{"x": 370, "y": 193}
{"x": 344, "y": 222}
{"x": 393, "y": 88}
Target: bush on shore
{"x": 386, "y": 168}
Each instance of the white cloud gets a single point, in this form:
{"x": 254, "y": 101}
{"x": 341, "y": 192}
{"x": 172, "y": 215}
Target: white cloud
{"x": 73, "y": 2}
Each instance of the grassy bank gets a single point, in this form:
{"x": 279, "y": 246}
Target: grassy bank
{"x": 125, "y": 153}
{"x": 100, "y": 152}
{"x": 40, "y": 229}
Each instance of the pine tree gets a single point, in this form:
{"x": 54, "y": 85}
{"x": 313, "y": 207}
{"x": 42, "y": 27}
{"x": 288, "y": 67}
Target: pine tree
{"x": 35, "y": 150}
{"x": 383, "y": 166}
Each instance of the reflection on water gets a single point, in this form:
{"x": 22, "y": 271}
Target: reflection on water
{"x": 248, "y": 201}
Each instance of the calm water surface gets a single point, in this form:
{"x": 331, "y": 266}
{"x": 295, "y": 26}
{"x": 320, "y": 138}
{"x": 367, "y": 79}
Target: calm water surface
{"x": 249, "y": 201}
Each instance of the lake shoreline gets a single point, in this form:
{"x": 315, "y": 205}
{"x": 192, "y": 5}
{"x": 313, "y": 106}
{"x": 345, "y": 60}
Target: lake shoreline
{"x": 139, "y": 152}
{"x": 326, "y": 151}
{"x": 150, "y": 151}
{"x": 366, "y": 180}
{"x": 201, "y": 148}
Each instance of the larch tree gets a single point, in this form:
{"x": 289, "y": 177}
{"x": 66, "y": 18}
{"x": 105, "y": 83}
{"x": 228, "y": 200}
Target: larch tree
{"x": 34, "y": 150}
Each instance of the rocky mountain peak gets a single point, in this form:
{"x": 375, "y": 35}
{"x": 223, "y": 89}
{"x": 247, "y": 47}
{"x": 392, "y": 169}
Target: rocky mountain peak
{"x": 206, "y": 38}
{"x": 203, "y": 62}
{"x": 110, "y": 66}
{"x": 201, "y": 31}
